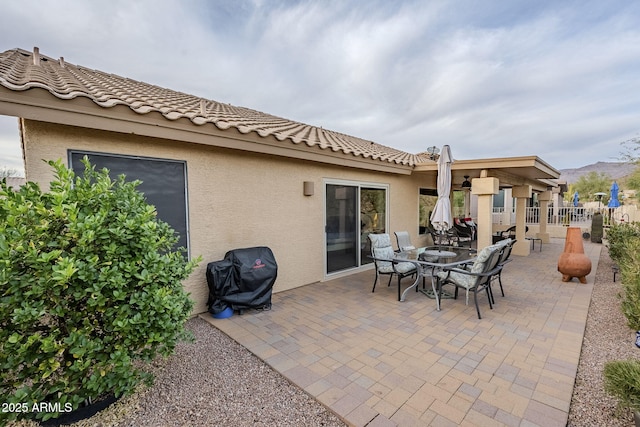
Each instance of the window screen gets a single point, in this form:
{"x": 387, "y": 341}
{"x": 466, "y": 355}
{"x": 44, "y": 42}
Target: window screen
{"x": 164, "y": 183}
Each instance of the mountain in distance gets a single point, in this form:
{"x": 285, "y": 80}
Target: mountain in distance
{"x": 616, "y": 170}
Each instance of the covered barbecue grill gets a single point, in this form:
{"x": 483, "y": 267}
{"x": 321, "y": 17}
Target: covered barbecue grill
{"x": 242, "y": 280}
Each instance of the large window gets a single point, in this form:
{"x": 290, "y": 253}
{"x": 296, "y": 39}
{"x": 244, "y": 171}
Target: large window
{"x": 458, "y": 203}
{"x": 164, "y": 184}
{"x": 428, "y": 198}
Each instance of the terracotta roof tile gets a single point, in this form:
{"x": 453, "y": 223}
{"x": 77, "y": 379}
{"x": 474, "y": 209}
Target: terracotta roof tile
{"x": 21, "y": 70}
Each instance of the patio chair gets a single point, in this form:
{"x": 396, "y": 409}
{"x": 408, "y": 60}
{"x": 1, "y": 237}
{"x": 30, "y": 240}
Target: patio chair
{"x": 472, "y": 226}
{"x": 458, "y": 238}
{"x": 450, "y": 237}
{"x": 476, "y": 278}
{"x": 463, "y": 229}
{"x": 404, "y": 241}
{"x": 510, "y": 233}
{"x": 441, "y": 238}
{"x": 505, "y": 257}
{"x": 382, "y": 253}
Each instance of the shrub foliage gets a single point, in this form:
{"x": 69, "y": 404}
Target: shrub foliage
{"x": 89, "y": 283}
{"x": 622, "y": 380}
{"x": 624, "y": 249}
{"x": 630, "y": 276}
{"x": 622, "y": 377}
{"x": 619, "y": 236}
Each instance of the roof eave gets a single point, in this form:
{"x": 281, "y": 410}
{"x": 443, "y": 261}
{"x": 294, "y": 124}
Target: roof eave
{"x": 39, "y": 104}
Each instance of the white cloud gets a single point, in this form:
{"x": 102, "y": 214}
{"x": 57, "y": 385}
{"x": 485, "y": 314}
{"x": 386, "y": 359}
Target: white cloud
{"x": 555, "y": 79}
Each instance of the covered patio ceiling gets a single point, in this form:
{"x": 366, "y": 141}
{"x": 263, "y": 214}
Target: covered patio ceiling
{"x": 510, "y": 171}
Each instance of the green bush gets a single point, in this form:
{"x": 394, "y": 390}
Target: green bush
{"x": 630, "y": 277}
{"x": 624, "y": 249}
{"x": 618, "y": 236}
{"x": 89, "y": 283}
{"x": 622, "y": 380}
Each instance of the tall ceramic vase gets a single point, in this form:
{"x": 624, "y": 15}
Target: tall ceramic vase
{"x": 573, "y": 262}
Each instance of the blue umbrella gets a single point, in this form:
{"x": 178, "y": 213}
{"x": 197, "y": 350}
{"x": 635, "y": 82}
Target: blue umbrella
{"x": 613, "y": 201}
{"x": 575, "y": 199}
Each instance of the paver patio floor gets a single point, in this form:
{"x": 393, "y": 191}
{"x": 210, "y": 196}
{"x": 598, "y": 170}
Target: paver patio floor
{"x": 375, "y": 361}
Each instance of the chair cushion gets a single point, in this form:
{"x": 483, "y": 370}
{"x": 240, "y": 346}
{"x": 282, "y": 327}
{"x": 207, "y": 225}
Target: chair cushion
{"x": 464, "y": 280}
{"x": 482, "y": 258}
{"x": 383, "y": 253}
{"x": 401, "y": 267}
{"x": 505, "y": 242}
{"x": 380, "y": 241}
{"x": 404, "y": 241}
{"x": 381, "y": 249}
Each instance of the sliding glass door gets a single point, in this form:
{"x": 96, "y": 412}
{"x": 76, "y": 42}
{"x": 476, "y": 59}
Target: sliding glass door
{"x": 353, "y": 211}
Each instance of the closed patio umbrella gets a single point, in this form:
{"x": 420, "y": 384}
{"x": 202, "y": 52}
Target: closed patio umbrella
{"x": 441, "y": 217}
{"x": 613, "y": 200}
{"x": 576, "y": 198}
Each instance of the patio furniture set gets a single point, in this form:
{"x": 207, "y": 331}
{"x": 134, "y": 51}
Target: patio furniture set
{"x": 458, "y": 266}
{"x": 510, "y": 233}
{"x": 462, "y": 233}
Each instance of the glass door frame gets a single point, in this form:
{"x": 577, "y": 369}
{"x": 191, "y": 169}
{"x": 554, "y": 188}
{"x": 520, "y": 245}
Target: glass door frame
{"x": 359, "y": 185}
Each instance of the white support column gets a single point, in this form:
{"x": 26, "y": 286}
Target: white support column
{"x": 521, "y": 193}
{"x": 544, "y": 198}
{"x": 557, "y": 204}
{"x": 485, "y": 188}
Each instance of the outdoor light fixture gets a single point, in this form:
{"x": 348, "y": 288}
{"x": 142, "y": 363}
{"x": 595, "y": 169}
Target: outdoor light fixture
{"x": 307, "y": 188}
{"x": 466, "y": 184}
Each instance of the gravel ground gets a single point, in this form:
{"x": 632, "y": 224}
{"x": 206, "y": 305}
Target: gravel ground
{"x": 607, "y": 337}
{"x": 215, "y": 381}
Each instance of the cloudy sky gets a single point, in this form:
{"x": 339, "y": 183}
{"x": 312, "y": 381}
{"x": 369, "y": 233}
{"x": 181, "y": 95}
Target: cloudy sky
{"x": 558, "y": 79}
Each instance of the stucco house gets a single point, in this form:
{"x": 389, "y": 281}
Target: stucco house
{"x": 228, "y": 177}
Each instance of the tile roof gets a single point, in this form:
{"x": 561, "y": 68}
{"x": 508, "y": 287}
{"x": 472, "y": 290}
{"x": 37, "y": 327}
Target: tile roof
{"x": 22, "y": 70}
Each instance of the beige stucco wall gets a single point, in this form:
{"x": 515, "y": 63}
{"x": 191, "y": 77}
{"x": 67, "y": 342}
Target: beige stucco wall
{"x": 237, "y": 199}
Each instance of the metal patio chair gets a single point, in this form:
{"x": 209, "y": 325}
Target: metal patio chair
{"x": 404, "y": 241}
{"x": 505, "y": 258}
{"x": 382, "y": 253}
{"x": 476, "y": 277}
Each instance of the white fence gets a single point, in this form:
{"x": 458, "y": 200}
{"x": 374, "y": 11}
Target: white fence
{"x": 571, "y": 216}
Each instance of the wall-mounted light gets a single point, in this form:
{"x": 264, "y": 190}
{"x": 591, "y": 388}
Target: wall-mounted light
{"x": 466, "y": 184}
{"x": 307, "y": 188}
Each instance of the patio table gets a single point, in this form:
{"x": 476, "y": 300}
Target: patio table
{"x": 533, "y": 241}
{"x": 431, "y": 258}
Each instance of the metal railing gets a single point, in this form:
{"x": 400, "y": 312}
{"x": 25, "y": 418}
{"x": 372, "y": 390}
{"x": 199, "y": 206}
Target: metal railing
{"x": 574, "y": 216}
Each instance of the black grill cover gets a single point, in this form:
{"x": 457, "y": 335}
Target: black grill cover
{"x": 243, "y": 279}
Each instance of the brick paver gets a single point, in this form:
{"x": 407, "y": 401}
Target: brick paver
{"x": 375, "y": 361}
